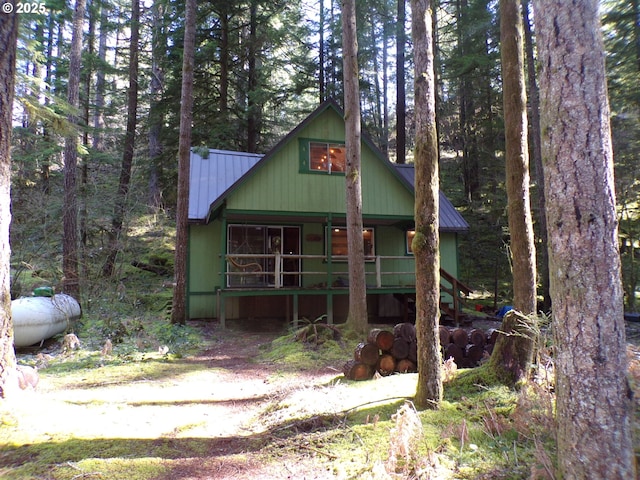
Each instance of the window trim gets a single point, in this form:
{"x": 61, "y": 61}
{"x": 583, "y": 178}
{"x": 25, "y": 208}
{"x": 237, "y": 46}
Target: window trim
{"x": 344, "y": 258}
{"x": 409, "y": 234}
{"x": 305, "y": 156}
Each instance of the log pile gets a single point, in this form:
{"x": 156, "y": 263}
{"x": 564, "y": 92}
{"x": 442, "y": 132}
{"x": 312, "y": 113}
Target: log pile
{"x": 467, "y": 348}
{"x": 384, "y": 352}
{"x": 387, "y": 352}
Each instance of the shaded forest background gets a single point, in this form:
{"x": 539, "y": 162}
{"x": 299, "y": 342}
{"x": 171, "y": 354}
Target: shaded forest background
{"x": 260, "y": 68}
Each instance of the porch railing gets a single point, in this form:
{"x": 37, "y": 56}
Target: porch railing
{"x": 254, "y": 265}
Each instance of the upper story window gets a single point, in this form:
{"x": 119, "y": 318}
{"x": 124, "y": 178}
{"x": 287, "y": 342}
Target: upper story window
{"x": 326, "y": 157}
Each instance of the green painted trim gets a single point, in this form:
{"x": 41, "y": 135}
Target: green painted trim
{"x": 223, "y": 250}
{"x": 188, "y": 272}
{"x": 304, "y": 149}
{"x": 273, "y": 292}
{"x": 341, "y": 215}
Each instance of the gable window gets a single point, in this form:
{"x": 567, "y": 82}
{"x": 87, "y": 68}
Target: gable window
{"x": 339, "y": 247}
{"x": 326, "y": 157}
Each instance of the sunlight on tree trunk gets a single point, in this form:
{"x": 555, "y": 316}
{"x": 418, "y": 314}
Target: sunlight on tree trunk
{"x": 426, "y": 243}
{"x": 513, "y": 354}
{"x": 357, "y": 317}
{"x": 8, "y": 38}
{"x": 71, "y": 280}
{"x": 179, "y": 310}
{"x": 594, "y": 402}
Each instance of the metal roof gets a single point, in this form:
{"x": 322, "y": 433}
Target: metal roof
{"x": 213, "y": 176}
{"x": 210, "y": 177}
{"x": 450, "y": 219}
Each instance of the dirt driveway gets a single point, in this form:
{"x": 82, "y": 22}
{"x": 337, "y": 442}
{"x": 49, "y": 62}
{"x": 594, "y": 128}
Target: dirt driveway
{"x": 216, "y": 408}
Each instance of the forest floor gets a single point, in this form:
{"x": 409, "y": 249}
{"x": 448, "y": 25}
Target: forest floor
{"x": 219, "y": 414}
{"x": 222, "y": 413}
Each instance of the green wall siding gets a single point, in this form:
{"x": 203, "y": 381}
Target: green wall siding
{"x": 279, "y": 185}
{"x": 205, "y": 243}
{"x": 282, "y": 185}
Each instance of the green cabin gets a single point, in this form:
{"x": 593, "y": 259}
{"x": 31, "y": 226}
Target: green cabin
{"x": 267, "y": 234}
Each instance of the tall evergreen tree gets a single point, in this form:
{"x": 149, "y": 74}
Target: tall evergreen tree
{"x": 71, "y": 282}
{"x": 8, "y": 38}
{"x": 512, "y": 354}
{"x": 593, "y": 400}
{"x": 426, "y": 243}
{"x": 357, "y": 317}
{"x": 115, "y": 234}
{"x": 179, "y": 310}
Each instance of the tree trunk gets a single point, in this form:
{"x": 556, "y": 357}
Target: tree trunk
{"x": 8, "y": 39}
{"x": 594, "y": 404}
{"x": 115, "y": 234}
{"x": 254, "y": 112}
{"x": 321, "y": 73}
{"x": 519, "y": 348}
{"x": 71, "y": 281}
{"x": 426, "y": 243}
{"x": 513, "y": 348}
{"x": 357, "y": 317}
{"x": 98, "y": 118}
{"x": 155, "y": 112}
{"x": 179, "y": 310}
{"x": 401, "y": 102}
{"x": 534, "y": 136}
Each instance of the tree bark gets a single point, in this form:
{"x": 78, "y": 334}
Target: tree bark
{"x": 179, "y": 310}
{"x": 8, "y": 39}
{"x": 117, "y": 221}
{"x": 98, "y": 118}
{"x": 594, "y": 404}
{"x": 357, "y": 317}
{"x": 401, "y": 106}
{"x": 156, "y": 83}
{"x": 71, "y": 280}
{"x": 512, "y": 361}
{"x": 536, "y": 149}
{"x": 426, "y": 243}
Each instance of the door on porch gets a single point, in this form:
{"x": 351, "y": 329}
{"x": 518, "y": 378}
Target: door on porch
{"x": 265, "y": 242}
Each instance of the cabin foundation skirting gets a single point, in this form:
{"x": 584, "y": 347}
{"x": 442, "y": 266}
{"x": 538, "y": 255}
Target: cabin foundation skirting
{"x": 292, "y": 305}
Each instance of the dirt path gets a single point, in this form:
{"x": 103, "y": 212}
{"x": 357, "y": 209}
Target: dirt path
{"x": 211, "y": 407}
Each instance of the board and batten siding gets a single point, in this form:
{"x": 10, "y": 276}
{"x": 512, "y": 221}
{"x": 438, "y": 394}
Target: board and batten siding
{"x": 283, "y": 184}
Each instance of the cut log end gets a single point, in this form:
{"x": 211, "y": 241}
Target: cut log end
{"x": 358, "y": 371}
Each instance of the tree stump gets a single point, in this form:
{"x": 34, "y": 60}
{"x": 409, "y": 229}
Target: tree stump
{"x": 513, "y": 350}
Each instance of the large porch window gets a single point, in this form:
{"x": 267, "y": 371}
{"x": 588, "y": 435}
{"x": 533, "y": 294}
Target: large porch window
{"x": 251, "y": 255}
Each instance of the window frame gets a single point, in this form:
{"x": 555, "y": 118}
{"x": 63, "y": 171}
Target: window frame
{"x": 306, "y": 147}
{"x": 370, "y": 257}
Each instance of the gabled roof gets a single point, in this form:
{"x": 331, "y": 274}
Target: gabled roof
{"x": 450, "y": 218}
{"x": 214, "y": 177}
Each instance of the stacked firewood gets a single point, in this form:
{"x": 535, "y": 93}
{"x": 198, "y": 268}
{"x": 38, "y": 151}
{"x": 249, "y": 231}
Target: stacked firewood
{"x": 467, "y": 348}
{"x": 384, "y": 352}
{"x": 387, "y": 352}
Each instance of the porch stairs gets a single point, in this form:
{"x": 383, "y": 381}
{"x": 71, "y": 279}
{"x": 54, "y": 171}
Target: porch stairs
{"x": 456, "y": 290}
